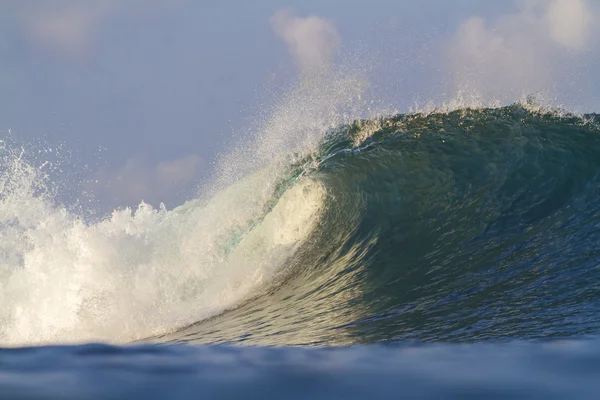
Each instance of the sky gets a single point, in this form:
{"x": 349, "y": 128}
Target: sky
{"x": 145, "y": 94}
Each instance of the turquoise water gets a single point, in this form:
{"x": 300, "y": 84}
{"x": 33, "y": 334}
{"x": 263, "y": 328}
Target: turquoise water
{"x": 477, "y": 225}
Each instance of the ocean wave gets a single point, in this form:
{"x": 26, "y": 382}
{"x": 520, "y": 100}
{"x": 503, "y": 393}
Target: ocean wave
{"x": 476, "y": 224}
{"x": 471, "y": 224}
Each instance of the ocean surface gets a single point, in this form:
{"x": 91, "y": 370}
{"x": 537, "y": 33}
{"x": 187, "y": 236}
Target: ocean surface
{"x": 447, "y": 254}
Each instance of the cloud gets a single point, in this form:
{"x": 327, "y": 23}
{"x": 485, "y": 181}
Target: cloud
{"x": 311, "y": 40}
{"x": 537, "y": 49}
{"x": 569, "y": 22}
{"x": 69, "y": 28}
{"x": 138, "y": 180}
{"x": 66, "y": 27}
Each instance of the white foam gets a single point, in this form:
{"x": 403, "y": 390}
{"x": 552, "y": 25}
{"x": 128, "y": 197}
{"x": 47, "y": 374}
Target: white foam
{"x": 144, "y": 272}
{"x": 138, "y": 273}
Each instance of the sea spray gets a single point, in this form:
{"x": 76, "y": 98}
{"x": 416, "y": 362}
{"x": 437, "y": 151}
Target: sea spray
{"x": 144, "y": 272}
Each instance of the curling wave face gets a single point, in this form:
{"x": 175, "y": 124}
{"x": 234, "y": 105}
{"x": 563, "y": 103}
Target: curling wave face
{"x": 476, "y": 224}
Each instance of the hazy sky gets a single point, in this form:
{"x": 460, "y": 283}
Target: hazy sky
{"x": 146, "y": 92}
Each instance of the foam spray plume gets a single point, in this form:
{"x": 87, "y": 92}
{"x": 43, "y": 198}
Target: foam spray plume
{"x": 143, "y": 272}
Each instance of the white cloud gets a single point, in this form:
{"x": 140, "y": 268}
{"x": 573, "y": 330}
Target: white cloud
{"x": 537, "y": 49}
{"x": 67, "y": 27}
{"x": 139, "y": 180}
{"x": 569, "y": 22}
{"x": 310, "y": 40}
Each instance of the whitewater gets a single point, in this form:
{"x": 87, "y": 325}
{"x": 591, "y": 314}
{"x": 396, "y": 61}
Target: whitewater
{"x": 143, "y": 272}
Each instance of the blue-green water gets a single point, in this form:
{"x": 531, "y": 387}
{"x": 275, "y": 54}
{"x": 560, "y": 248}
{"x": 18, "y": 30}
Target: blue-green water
{"x": 469, "y": 226}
